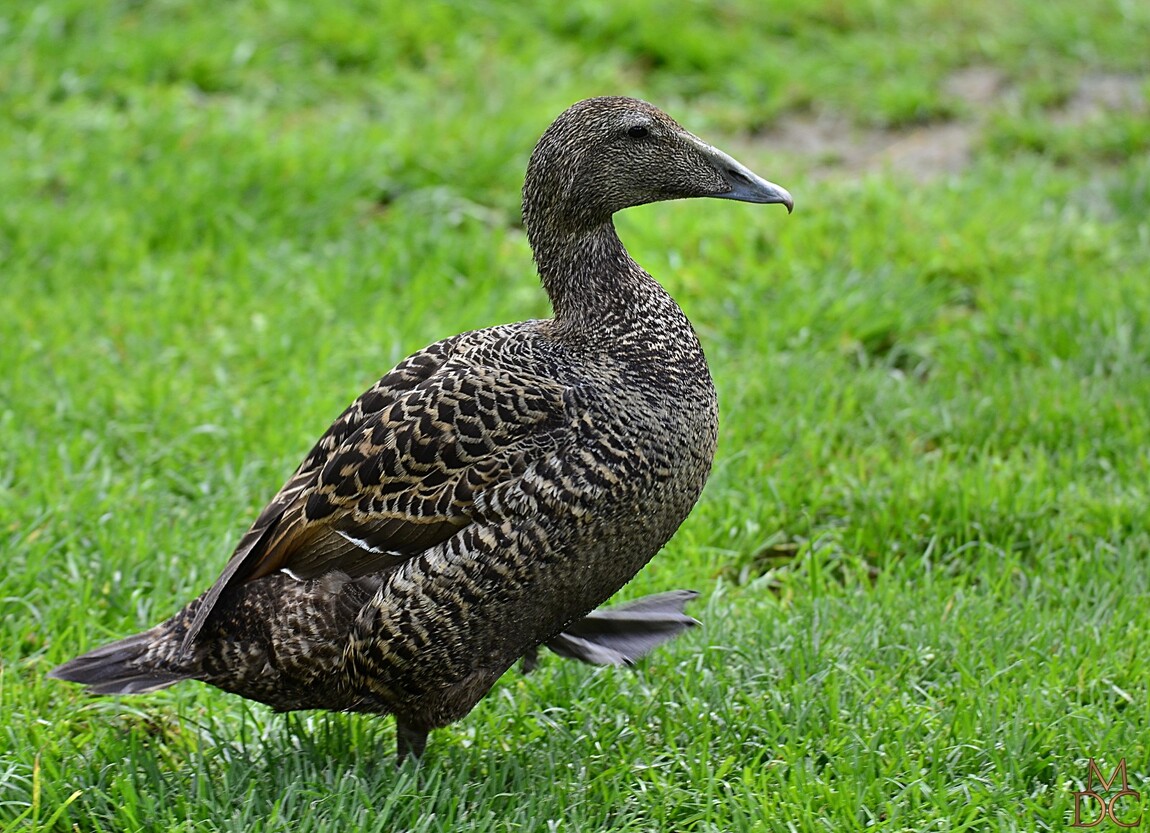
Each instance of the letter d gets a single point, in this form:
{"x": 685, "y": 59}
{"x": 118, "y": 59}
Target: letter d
{"x": 1078, "y": 809}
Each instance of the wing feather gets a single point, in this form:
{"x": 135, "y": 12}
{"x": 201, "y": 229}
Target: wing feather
{"x": 399, "y": 472}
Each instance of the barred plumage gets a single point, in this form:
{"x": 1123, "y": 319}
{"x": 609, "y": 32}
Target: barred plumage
{"x": 486, "y": 495}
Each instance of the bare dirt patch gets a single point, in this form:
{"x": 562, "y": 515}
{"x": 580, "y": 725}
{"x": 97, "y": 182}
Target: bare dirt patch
{"x": 1100, "y": 94}
{"x": 977, "y": 86}
{"x": 835, "y": 146}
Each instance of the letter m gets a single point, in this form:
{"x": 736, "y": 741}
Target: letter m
{"x": 1093, "y": 772}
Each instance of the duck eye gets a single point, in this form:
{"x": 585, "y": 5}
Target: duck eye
{"x": 638, "y": 131}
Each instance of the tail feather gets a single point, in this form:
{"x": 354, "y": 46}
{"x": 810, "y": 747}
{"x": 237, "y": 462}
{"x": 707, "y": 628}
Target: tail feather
{"x": 623, "y": 634}
{"x": 116, "y": 668}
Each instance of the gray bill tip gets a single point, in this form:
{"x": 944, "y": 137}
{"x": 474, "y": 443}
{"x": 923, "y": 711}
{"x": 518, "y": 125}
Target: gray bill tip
{"x": 755, "y": 189}
{"x": 745, "y": 184}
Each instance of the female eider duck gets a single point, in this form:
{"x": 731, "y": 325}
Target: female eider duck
{"x": 486, "y": 495}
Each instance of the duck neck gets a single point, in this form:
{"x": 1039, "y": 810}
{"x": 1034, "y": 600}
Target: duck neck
{"x": 590, "y": 278}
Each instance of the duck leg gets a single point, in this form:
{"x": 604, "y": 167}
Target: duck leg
{"x": 408, "y": 741}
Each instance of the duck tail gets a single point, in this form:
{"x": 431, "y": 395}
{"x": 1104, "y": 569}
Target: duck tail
{"x": 623, "y": 634}
{"x": 118, "y": 668}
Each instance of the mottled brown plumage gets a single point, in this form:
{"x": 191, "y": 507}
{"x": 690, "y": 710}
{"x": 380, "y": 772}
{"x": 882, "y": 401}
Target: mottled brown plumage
{"x": 494, "y": 488}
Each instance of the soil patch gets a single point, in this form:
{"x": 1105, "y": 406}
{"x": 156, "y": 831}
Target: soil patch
{"x": 835, "y": 146}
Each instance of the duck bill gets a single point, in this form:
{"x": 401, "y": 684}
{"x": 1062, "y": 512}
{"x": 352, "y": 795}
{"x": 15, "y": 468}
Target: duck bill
{"x": 745, "y": 184}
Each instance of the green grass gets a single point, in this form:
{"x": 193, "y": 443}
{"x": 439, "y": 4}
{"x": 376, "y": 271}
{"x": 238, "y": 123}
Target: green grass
{"x": 924, "y": 547}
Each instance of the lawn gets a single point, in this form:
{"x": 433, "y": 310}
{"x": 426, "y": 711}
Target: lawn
{"x": 923, "y": 551}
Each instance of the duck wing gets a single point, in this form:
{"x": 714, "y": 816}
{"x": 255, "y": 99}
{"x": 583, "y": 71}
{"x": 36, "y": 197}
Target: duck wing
{"x": 400, "y": 471}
